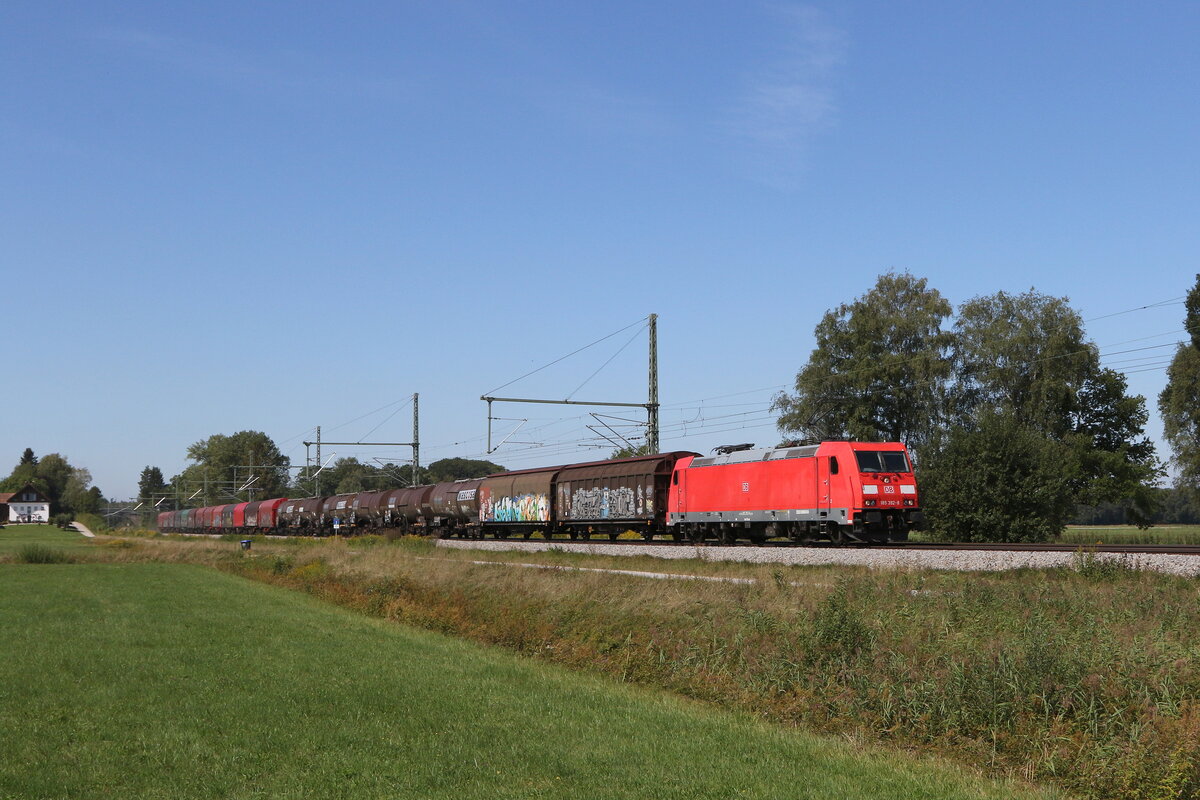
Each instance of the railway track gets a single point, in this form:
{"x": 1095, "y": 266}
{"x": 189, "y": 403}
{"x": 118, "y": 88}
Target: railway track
{"x": 1136, "y": 549}
{"x": 1001, "y": 547}
{"x": 1132, "y": 549}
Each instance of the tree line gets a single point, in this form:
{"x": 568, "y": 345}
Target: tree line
{"x": 248, "y": 465}
{"x": 1011, "y": 417}
{"x": 68, "y": 488}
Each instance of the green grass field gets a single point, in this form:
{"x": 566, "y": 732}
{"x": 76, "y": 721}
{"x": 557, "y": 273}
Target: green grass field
{"x": 15, "y": 537}
{"x": 173, "y": 681}
{"x": 1129, "y": 534}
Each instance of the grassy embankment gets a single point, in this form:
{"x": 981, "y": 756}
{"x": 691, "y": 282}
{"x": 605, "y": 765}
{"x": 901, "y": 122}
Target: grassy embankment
{"x": 1090, "y": 679}
{"x": 172, "y": 681}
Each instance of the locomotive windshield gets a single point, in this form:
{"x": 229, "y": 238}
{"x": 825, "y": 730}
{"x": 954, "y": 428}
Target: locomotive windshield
{"x": 882, "y": 461}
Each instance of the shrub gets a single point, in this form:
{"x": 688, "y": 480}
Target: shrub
{"x": 999, "y": 481}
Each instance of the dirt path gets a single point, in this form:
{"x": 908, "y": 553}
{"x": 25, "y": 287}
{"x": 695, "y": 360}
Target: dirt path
{"x": 79, "y": 526}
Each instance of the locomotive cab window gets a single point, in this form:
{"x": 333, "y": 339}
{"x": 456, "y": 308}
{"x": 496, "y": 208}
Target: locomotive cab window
{"x": 882, "y": 461}
{"x": 833, "y": 465}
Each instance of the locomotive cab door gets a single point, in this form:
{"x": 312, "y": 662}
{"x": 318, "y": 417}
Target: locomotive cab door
{"x": 677, "y": 491}
{"x": 827, "y": 467}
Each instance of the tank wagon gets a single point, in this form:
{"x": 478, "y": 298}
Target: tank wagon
{"x": 841, "y": 492}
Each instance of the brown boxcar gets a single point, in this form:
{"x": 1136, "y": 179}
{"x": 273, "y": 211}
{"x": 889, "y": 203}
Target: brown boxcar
{"x": 615, "y": 496}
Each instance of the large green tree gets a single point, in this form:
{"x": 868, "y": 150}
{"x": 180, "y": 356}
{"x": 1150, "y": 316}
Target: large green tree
{"x": 457, "y": 469}
{"x": 1026, "y": 359}
{"x": 1024, "y": 353}
{"x": 79, "y": 496}
{"x": 347, "y": 475}
{"x": 223, "y": 465}
{"x": 879, "y": 368}
{"x": 1179, "y": 402}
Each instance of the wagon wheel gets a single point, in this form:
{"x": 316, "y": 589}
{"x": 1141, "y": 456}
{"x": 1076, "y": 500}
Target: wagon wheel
{"x": 648, "y": 534}
{"x": 727, "y": 535}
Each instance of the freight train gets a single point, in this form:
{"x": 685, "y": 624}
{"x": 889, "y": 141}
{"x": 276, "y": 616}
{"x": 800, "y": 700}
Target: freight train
{"x": 841, "y": 492}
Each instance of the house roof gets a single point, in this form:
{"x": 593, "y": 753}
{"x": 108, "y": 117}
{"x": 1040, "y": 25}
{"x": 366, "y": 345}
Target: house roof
{"x": 29, "y": 487}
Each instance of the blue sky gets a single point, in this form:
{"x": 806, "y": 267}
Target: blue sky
{"x": 272, "y": 216}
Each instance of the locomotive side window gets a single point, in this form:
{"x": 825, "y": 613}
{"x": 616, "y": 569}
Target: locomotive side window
{"x": 833, "y": 465}
{"x": 882, "y": 461}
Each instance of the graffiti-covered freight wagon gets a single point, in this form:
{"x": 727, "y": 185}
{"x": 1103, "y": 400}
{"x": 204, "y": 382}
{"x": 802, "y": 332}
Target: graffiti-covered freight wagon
{"x": 516, "y": 502}
{"x": 614, "y": 496}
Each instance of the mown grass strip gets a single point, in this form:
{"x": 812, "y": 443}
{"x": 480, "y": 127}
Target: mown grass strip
{"x": 15, "y": 538}
{"x": 156, "y": 680}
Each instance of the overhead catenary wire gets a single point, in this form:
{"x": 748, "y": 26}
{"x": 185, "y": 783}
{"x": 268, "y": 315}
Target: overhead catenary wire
{"x": 568, "y": 355}
{"x": 628, "y": 342}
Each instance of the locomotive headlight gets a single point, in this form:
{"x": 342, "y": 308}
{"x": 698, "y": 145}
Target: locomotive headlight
{"x": 870, "y": 489}
{"x": 910, "y": 502}
{"x": 868, "y": 503}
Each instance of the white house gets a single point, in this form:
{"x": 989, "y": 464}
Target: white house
{"x": 27, "y": 505}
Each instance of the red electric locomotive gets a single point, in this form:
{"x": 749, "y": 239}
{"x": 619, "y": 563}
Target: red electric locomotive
{"x": 836, "y": 491}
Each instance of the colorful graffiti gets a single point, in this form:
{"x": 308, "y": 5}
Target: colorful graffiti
{"x": 621, "y": 502}
{"x": 520, "y": 508}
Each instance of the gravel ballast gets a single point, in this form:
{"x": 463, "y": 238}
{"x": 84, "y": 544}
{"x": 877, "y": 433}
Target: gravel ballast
{"x": 962, "y": 560}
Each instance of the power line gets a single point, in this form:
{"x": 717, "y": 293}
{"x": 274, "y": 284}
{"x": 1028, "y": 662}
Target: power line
{"x": 628, "y": 342}
{"x": 568, "y": 355}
